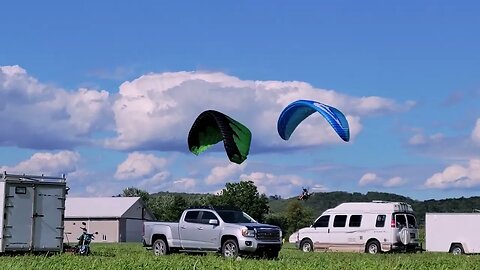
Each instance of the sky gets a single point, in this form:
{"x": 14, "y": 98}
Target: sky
{"x": 106, "y": 92}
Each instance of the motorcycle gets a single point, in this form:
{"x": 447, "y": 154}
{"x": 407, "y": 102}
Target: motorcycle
{"x": 84, "y": 240}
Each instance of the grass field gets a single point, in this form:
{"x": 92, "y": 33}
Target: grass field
{"x": 134, "y": 256}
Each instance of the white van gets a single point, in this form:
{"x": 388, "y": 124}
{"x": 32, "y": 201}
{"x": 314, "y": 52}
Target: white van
{"x": 371, "y": 227}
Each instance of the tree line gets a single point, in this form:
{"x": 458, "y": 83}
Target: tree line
{"x": 289, "y": 214}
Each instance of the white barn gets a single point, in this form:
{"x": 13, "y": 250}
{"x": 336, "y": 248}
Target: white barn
{"x": 116, "y": 219}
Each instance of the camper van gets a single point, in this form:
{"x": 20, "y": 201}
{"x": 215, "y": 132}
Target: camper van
{"x": 371, "y": 227}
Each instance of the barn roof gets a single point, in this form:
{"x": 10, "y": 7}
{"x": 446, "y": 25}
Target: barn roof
{"x": 98, "y": 207}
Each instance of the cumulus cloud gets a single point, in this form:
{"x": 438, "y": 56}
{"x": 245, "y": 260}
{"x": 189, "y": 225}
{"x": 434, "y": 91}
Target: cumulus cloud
{"x": 40, "y": 116}
{"x": 225, "y": 173}
{"x": 51, "y": 164}
{"x": 157, "y": 110}
{"x": 456, "y": 176}
{"x": 419, "y": 139}
{"x": 476, "y": 132}
{"x": 283, "y": 185}
{"x": 372, "y": 179}
{"x": 138, "y": 165}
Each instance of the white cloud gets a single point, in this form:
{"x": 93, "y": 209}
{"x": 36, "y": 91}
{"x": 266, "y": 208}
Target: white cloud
{"x": 138, "y": 165}
{"x": 372, "y": 179}
{"x": 395, "y": 182}
{"x": 283, "y": 185}
{"x": 419, "y": 139}
{"x": 368, "y": 179}
{"x": 158, "y": 109}
{"x": 456, "y": 176}
{"x": 221, "y": 174}
{"x": 51, "y": 164}
{"x": 36, "y": 115}
{"x": 476, "y": 132}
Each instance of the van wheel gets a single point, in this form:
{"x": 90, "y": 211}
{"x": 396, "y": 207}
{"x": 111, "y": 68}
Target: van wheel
{"x": 230, "y": 249}
{"x": 306, "y": 245}
{"x": 373, "y": 247}
{"x": 457, "y": 249}
{"x": 160, "y": 247}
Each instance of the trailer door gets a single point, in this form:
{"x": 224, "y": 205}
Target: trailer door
{"x": 17, "y": 232}
{"x": 48, "y": 219}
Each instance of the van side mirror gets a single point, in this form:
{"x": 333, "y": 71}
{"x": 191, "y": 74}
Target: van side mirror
{"x": 84, "y": 224}
{"x": 213, "y": 221}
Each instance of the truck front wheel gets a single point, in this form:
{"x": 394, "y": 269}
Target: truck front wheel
{"x": 160, "y": 247}
{"x": 230, "y": 249}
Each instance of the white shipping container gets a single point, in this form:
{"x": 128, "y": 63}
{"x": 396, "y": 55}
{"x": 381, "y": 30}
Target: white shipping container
{"x": 32, "y": 212}
{"x": 452, "y": 232}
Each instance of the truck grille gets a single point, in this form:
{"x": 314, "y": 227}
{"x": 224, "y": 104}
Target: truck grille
{"x": 268, "y": 235}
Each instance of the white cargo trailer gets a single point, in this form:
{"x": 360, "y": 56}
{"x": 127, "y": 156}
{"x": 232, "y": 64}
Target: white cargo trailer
{"x": 452, "y": 232}
{"x": 31, "y": 213}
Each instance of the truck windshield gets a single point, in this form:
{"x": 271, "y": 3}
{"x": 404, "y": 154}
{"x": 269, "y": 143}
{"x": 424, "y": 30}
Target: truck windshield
{"x": 232, "y": 216}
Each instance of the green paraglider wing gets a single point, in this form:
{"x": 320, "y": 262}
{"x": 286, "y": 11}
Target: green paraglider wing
{"x": 211, "y": 127}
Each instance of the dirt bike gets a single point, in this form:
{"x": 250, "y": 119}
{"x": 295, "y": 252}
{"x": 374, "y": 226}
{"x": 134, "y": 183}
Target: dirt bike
{"x": 84, "y": 240}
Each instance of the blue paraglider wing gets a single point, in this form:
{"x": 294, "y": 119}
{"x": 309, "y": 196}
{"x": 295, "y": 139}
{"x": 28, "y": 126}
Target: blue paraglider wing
{"x": 297, "y": 111}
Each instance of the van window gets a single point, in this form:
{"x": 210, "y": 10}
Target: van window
{"x": 322, "y": 221}
{"x": 355, "y": 221}
{"x": 412, "y": 223}
{"x": 340, "y": 221}
{"x": 380, "y": 221}
{"x": 400, "y": 220}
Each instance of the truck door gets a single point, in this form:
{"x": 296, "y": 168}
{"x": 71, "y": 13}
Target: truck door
{"x": 188, "y": 230}
{"x": 319, "y": 233}
{"x": 48, "y": 218}
{"x": 17, "y": 232}
{"x": 209, "y": 234}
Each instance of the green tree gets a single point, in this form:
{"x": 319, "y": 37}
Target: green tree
{"x": 298, "y": 216}
{"x": 168, "y": 207}
{"x": 136, "y": 192}
{"x": 245, "y": 196}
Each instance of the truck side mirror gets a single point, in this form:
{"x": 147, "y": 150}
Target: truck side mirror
{"x": 213, "y": 221}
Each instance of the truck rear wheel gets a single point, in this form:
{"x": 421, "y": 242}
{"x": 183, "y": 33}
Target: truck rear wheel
{"x": 230, "y": 248}
{"x": 160, "y": 247}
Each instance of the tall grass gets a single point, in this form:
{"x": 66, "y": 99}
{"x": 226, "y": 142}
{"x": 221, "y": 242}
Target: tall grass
{"x": 134, "y": 256}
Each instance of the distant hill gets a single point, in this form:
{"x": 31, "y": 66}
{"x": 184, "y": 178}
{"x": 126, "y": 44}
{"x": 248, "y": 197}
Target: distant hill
{"x": 319, "y": 202}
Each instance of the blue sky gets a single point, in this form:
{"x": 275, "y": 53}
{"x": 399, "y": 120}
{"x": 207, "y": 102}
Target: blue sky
{"x": 107, "y": 91}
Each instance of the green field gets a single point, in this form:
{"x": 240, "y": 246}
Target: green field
{"x": 134, "y": 256}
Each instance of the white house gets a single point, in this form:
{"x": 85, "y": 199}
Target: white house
{"x": 116, "y": 219}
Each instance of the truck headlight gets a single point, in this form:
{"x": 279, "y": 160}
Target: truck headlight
{"x": 248, "y": 233}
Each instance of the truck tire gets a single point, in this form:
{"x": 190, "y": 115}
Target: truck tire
{"x": 160, "y": 247}
{"x": 457, "y": 249}
{"x": 306, "y": 245}
{"x": 373, "y": 247}
{"x": 230, "y": 249}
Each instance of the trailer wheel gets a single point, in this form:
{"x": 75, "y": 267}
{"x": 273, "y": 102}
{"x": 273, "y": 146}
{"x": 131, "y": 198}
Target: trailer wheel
{"x": 306, "y": 245}
{"x": 373, "y": 247}
{"x": 457, "y": 249}
{"x": 160, "y": 247}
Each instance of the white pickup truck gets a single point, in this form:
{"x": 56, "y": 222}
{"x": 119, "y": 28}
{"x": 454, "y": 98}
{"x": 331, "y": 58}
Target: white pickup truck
{"x": 226, "y": 230}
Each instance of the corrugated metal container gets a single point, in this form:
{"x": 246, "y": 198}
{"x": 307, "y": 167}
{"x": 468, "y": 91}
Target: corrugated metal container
{"x": 32, "y": 211}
